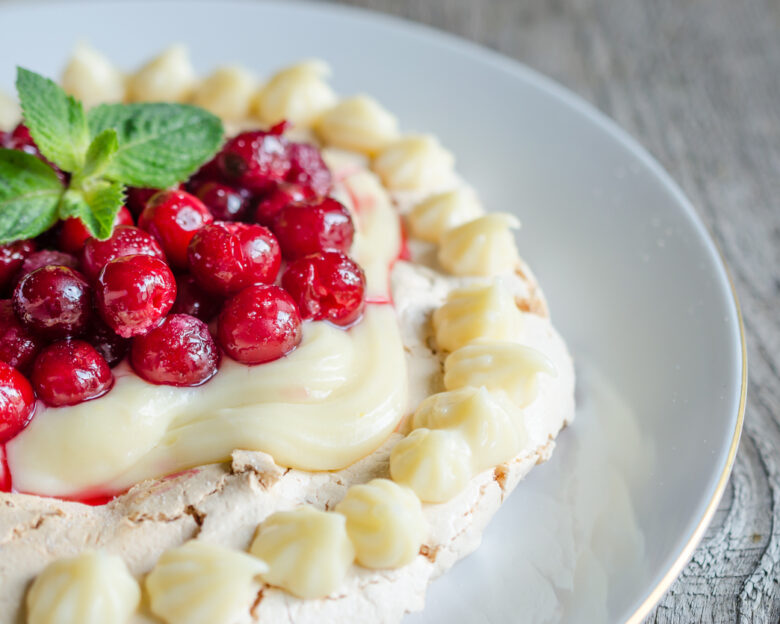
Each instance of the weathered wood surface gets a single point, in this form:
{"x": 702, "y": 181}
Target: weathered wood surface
{"x": 698, "y": 83}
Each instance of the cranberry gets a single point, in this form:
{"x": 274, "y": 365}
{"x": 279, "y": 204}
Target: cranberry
{"x": 269, "y": 206}
{"x": 224, "y": 202}
{"x": 259, "y": 324}
{"x": 18, "y": 345}
{"x": 327, "y": 286}
{"x": 304, "y": 229}
{"x": 255, "y": 160}
{"x": 178, "y": 352}
{"x": 226, "y": 257}
{"x": 74, "y": 233}
{"x": 193, "y": 300}
{"x": 210, "y": 172}
{"x": 54, "y": 301}
{"x": 308, "y": 169}
{"x": 70, "y": 372}
{"x": 12, "y": 255}
{"x": 133, "y": 293}
{"x": 173, "y": 217}
{"x": 17, "y": 402}
{"x": 107, "y": 343}
{"x": 126, "y": 240}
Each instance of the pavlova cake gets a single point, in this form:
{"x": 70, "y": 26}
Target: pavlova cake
{"x": 263, "y": 356}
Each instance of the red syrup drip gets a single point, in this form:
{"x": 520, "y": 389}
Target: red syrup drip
{"x": 6, "y": 482}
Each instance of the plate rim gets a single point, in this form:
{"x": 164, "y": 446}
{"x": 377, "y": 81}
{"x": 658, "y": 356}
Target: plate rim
{"x": 578, "y": 103}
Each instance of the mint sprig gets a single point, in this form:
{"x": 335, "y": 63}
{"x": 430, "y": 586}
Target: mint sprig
{"x": 148, "y": 144}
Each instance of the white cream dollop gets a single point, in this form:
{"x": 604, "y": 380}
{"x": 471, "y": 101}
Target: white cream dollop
{"x": 357, "y": 123}
{"x": 308, "y": 551}
{"x": 227, "y": 93}
{"x": 168, "y": 77}
{"x": 510, "y": 367}
{"x": 298, "y": 94}
{"x": 385, "y": 523}
{"x": 201, "y": 583}
{"x": 92, "y": 78}
{"x": 10, "y": 112}
{"x": 436, "y": 464}
{"x": 432, "y": 217}
{"x": 490, "y": 423}
{"x": 91, "y": 588}
{"x": 474, "y": 312}
{"x": 482, "y": 247}
{"x": 415, "y": 163}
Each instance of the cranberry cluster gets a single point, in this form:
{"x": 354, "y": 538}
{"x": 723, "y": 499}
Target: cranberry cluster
{"x": 252, "y": 244}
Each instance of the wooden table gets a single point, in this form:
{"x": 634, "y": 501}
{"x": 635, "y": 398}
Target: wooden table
{"x": 698, "y": 83}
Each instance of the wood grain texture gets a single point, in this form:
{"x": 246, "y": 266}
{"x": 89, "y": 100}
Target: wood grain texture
{"x": 698, "y": 83}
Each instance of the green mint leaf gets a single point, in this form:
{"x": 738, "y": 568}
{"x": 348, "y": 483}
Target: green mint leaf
{"x": 99, "y": 154}
{"x": 96, "y": 206}
{"x": 29, "y": 194}
{"x": 56, "y": 121}
{"x": 159, "y": 144}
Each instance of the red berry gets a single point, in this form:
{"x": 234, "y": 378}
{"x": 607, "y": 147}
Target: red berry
{"x": 173, "y": 217}
{"x": 224, "y": 202}
{"x": 74, "y": 233}
{"x": 12, "y": 256}
{"x": 259, "y": 324}
{"x": 308, "y": 169}
{"x": 269, "y": 206}
{"x": 126, "y": 240}
{"x": 178, "y": 352}
{"x": 133, "y": 293}
{"x": 304, "y": 229}
{"x": 226, "y": 257}
{"x": 18, "y": 345}
{"x": 17, "y": 402}
{"x": 210, "y": 172}
{"x": 107, "y": 343}
{"x": 255, "y": 160}
{"x": 54, "y": 301}
{"x": 70, "y": 372}
{"x": 21, "y": 139}
{"x": 193, "y": 300}
{"x": 327, "y": 286}
{"x": 46, "y": 257}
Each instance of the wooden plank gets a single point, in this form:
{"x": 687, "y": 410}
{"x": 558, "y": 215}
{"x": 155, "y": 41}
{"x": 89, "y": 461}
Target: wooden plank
{"x": 698, "y": 83}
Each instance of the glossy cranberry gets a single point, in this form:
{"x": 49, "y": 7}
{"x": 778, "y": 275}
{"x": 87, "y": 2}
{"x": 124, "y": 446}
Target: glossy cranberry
{"x": 18, "y": 345}
{"x": 126, "y": 240}
{"x": 107, "y": 343}
{"x": 327, "y": 286}
{"x": 193, "y": 300}
{"x": 270, "y": 204}
{"x": 73, "y": 233}
{"x": 17, "y": 402}
{"x": 178, "y": 352}
{"x": 259, "y": 324}
{"x": 224, "y": 202}
{"x": 226, "y": 257}
{"x": 255, "y": 160}
{"x": 54, "y": 301}
{"x": 12, "y": 256}
{"x": 70, "y": 372}
{"x": 134, "y": 293}
{"x": 308, "y": 169}
{"x": 173, "y": 217}
{"x": 210, "y": 172}
{"x": 308, "y": 228}
{"x": 21, "y": 139}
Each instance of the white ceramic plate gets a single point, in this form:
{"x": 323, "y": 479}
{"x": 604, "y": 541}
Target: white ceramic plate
{"x": 634, "y": 282}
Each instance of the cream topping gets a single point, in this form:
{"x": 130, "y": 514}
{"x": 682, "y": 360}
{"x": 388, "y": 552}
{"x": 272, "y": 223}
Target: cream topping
{"x": 201, "y": 583}
{"x": 298, "y": 94}
{"x": 91, "y": 588}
